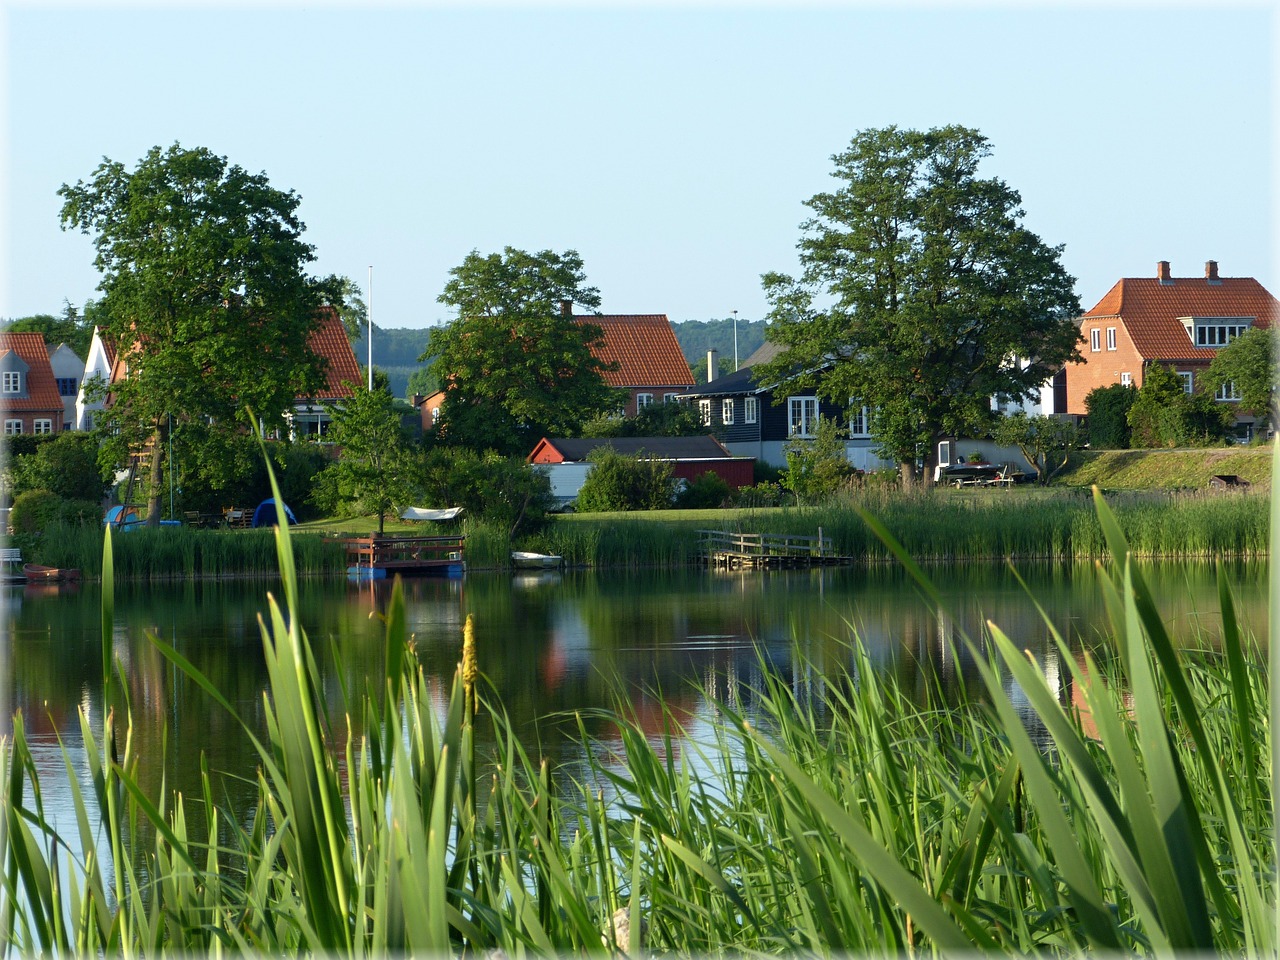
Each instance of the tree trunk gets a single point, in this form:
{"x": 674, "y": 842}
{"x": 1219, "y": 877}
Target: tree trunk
{"x": 153, "y": 488}
{"x": 907, "y": 474}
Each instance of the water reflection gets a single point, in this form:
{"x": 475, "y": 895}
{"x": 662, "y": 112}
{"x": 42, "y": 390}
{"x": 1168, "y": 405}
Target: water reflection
{"x": 553, "y": 646}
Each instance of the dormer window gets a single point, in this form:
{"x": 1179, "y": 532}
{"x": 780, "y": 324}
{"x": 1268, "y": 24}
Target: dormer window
{"x": 11, "y": 382}
{"x": 1214, "y": 332}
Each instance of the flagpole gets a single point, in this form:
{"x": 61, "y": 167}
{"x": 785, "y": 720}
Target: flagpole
{"x": 369, "y": 311}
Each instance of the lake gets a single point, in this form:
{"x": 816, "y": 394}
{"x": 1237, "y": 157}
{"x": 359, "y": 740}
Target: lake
{"x": 552, "y": 645}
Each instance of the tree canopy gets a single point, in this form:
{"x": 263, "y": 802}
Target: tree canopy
{"x": 1249, "y": 363}
{"x": 205, "y": 295}
{"x": 71, "y": 328}
{"x": 512, "y": 366}
{"x": 921, "y": 292}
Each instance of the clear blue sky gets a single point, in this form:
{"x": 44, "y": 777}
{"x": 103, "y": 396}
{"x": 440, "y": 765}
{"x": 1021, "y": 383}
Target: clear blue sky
{"x": 672, "y": 148}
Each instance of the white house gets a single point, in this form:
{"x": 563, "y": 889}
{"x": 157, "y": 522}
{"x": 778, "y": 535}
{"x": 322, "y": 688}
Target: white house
{"x": 68, "y": 370}
{"x": 96, "y": 369}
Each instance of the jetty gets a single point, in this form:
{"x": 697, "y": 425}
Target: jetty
{"x": 724, "y": 548}
{"x": 377, "y": 557}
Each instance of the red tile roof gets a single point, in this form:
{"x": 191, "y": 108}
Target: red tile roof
{"x": 42, "y": 390}
{"x": 329, "y": 340}
{"x": 645, "y": 348}
{"x": 1151, "y": 310}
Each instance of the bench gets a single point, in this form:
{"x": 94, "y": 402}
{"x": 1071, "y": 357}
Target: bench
{"x": 10, "y": 555}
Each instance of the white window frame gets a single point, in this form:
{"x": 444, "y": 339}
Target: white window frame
{"x": 11, "y": 382}
{"x": 1188, "y": 379}
{"x": 726, "y": 411}
{"x": 704, "y": 412}
{"x": 643, "y": 400}
{"x": 802, "y": 416}
{"x": 42, "y": 426}
{"x": 859, "y": 421}
{"x": 1227, "y": 392}
{"x": 1126, "y": 379}
{"x": 12, "y": 427}
{"x": 1095, "y": 340}
{"x": 1212, "y": 334}
{"x": 670, "y": 398}
{"x": 1111, "y": 338}
{"x": 750, "y": 409}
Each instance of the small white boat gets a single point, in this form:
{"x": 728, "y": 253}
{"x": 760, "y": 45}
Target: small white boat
{"x": 525, "y": 560}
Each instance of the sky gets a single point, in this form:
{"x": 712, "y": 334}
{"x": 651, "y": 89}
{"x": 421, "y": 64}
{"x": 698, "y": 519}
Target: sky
{"x": 672, "y": 146}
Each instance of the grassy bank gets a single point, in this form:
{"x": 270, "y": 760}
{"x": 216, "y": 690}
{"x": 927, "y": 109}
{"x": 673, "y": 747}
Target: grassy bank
{"x": 1166, "y": 469}
{"x": 850, "y": 820}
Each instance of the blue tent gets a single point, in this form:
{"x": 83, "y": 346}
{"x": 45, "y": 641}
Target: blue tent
{"x": 265, "y": 515}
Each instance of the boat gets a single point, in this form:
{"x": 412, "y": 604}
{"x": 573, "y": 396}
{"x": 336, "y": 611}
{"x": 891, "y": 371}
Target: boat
{"x": 36, "y": 572}
{"x": 525, "y": 560}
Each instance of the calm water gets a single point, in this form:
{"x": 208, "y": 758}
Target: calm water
{"x": 551, "y": 644}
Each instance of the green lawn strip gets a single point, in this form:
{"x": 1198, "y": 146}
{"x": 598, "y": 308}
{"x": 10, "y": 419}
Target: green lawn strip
{"x": 1166, "y": 469}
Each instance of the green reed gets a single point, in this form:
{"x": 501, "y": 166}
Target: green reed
{"x": 1130, "y": 810}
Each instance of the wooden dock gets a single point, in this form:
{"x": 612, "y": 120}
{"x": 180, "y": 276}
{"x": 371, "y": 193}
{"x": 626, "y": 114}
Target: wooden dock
{"x": 378, "y": 557}
{"x": 723, "y": 548}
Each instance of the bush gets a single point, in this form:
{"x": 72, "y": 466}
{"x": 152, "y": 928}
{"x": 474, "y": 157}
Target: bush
{"x": 68, "y": 466}
{"x": 490, "y": 487}
{"x": 819, "y": 467}
{"x": 1108, "y": 416}
{"x": 35, "y": 511}
{"x": 80, "y": 513}
{"x": 618, "y": 482}
{"x": 707, "y": 491}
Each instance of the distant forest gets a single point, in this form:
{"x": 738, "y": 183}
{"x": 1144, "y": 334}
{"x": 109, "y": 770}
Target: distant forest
{"x": 396, "y": 350}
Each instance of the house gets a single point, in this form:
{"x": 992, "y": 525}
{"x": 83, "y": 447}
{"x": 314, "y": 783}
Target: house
{"x": 567, "y": 461}
{"x": 29, "y": 394}
{"x": 650, "y": 363}
{"x": 1180, "y": 322}
{"x": 307, "y": 418}
{"x": 68, "y": 369}
{"x": 754, "y": 420}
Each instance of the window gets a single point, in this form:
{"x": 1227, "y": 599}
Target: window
{"x": 42, "y": 426}
{"x": 668, "y": 398}
{"x": 1215, "y": 332}
{"x": 67, "y": 386}
{"x": 1227, "y": 392}
{"x": 726, "y": 411}
{"x": 1188, "y": 380}
{"x": 704, "y": 412}
{"x": 859, "y": 422}
{"x": 12, "y": 382}
{"x": 643, "y": 400}
{"x": 1126, "y": 379}
{"x": 13, "y": 426}
{"x": 803, "y": 416}
{"x": 1095, "y": 340}
{"x": 750, "y": 410}
{"x": 1111, "y": 338}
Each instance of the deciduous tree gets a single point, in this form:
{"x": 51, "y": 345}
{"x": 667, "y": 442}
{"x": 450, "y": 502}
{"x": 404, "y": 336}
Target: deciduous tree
{"x": 513, "y": 367}
{"x": 922, "y": 293}
{"x": 205, "y": 294}
{"x": 1045, "y": 442}
{"x": 1249, "y": 363}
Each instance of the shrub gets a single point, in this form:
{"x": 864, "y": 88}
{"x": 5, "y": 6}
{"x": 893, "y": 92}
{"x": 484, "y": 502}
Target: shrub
{"x": 618, "y": 482}
{"x": 490, "y": 487}
{"x": 707, "y": 491}
{"x": 818, "y": 467}
{"x": 1108, "y": 416}
{"x": 80, "y": 513}
{"x": 34, "y": 511}
{"x": 68, "y": 466}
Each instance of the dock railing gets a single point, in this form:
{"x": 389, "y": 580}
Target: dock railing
{"x": 757, "y": 547}
{"x": 391, "y": 553}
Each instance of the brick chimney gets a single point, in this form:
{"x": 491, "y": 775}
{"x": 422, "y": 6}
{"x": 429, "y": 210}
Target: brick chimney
{"x": 1162, "y": 272}
{"x": 713, "y": 364}
{"x": 1211, "y": 271}
{"x": 566, "y": 308}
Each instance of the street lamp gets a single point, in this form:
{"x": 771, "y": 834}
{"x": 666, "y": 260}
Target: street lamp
{"x": 735, "y": 341}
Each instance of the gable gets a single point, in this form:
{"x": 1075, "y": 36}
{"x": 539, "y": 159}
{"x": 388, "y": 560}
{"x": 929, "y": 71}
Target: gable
{"x": 329, "y": 341}
{"x": 645, "y": 349}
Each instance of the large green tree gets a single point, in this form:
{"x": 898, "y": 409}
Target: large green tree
{"x": 204, "y": 292}
{"x": 921, "y": 292}
{"x": 513, "y": 367}
{"x": 1248, "y": 362}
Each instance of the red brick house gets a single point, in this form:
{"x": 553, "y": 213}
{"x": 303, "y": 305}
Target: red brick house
{"x": 650, "y": 364}
{"x": 29, "y": 397}
{"x": 1180, "y": 322}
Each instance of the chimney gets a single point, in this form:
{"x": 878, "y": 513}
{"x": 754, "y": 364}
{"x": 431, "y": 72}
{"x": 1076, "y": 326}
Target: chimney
{"x": 1211, "y": 271}
{"x": 713, "y": 364}
{"x": 566, "y": 308}
{"x": 1162, "y": 272}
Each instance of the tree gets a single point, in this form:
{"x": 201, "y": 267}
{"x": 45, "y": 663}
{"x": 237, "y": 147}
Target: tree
{"x": 351, "y": 307}
{"x": 655, "y": 420}
{"x": 204, "y": 293}
{"x": 423, "y": 381}
{"x": 1248, "y": 362}
{"x": 1165, "y": 415}
{"x": 819, "y": 467}
{"x": 513, "y": 367}
{"x": 71, "y": 328}
{"x": 488, "y": 486}
{"x": 1108, "y": 416}
{"x": 1045, "y": 442}
{"x": 921, "y": 293}
{"x": 376, "y": 467}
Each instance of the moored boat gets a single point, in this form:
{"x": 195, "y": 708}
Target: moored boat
{"x": 525, "y": 560}
{"x": 36, "y": 572}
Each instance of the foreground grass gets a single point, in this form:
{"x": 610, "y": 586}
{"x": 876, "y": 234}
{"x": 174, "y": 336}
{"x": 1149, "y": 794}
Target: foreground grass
{"x": 851, "y": 819}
